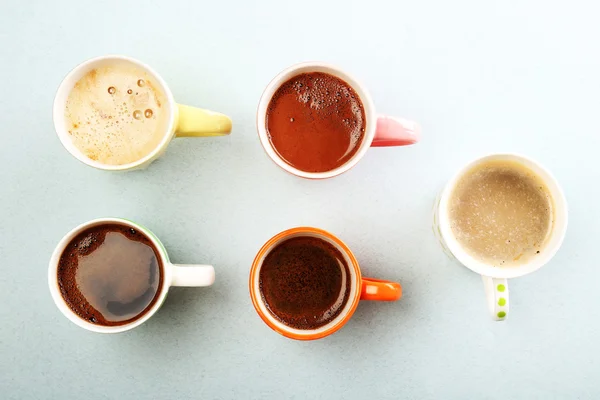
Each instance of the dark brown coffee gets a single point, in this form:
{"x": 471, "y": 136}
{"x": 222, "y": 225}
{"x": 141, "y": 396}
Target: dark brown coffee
{"x": 110, "y": 274}
{"x": 315, "y": 122}
{"x": 305, "y": 282}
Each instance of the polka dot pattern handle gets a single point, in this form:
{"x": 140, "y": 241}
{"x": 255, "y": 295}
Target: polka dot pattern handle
{"x": 496, "y": 293}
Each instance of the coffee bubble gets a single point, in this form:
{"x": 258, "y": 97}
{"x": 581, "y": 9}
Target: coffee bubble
{"x": 148, "y": 113}
{"x": 137, "y": 114}
{"x": 141, "y": 82}
{"x": 112, "y": 90}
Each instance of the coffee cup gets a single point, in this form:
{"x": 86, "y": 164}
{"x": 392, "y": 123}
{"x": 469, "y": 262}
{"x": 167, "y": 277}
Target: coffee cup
{"x": 495, "y": 275}
{"x": 101, "y": 114}
{"x": 376, "y": 131}
{"x": 309, "y": 265}
{"x": 169, "y": 274}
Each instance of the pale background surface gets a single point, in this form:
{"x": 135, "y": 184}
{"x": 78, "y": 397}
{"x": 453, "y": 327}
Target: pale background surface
{"x": 480, "y": 76}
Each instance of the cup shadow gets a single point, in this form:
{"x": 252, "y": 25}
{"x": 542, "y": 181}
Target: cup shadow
{"x": 183, "y": 305}
{"x": 184, "y": 310}
{"x": 374, "y": 325}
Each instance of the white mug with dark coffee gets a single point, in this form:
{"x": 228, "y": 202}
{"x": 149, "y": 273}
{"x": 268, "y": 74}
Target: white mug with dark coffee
{"x": 502, "y": 216}
{"x": 110, "y": 275}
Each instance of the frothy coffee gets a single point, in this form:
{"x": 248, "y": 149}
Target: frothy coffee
{"x": 501, "y": 213}
{"x": 316, "y": 122}
{"x": 116, "y": 114}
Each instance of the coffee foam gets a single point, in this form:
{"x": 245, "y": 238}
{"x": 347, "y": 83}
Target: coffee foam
{"x": 116, "y": 114}
{"x": 502, "y": 213}
{"x": 328, "y": 96}
{"x": 315, "y": 122}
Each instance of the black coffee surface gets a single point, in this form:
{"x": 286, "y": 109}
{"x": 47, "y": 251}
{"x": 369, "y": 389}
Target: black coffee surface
{"x": 305, "y": 282}
{"x": 110, "y": 274}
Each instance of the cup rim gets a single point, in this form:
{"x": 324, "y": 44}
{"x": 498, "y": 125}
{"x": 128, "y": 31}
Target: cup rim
{"x": 554, "y": 242}
{"x": 60, "y": 301}
{"x": 317, "y": 66}
{"x": 257, "y": 300}
{"x": 65, "y": 88}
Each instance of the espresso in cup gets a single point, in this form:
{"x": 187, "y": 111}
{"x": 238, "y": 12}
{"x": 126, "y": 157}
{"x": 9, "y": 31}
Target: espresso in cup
{"x": 315, "y": 122}
{"x": 110, "y": 274}
{"x": 115, "y": 114}
{"x": 501, "y": 212}
{"x": 305, "y": 282}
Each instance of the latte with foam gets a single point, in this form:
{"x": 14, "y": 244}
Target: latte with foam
{"x": 501, "y": 212}
{"x": 117, "y": 114}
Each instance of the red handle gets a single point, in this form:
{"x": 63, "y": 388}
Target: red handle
{"x": 377, "y": 289}
{"x": 392, "y": 131}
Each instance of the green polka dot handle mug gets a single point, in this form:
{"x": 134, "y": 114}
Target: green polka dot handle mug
{"x": 495, "y": 277}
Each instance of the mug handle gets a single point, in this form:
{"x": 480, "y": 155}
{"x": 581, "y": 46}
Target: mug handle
{"x": 496, "y": 293}
{"x": 392, "y": 131}
{"x": 377, "y": 289}
{"x": 197, "y": 122}
{"x": 192, "y": 275}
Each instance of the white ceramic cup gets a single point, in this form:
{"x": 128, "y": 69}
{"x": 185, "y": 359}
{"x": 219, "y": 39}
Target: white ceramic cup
{"x": 183, "y": 121}
{"x": 173, "y": 275}
{"x": 380, "y": 130}
{"x": 495, "y": 279}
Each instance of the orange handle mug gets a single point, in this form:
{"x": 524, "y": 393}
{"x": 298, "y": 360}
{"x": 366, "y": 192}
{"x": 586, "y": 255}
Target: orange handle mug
{"x": 279, "y": 290}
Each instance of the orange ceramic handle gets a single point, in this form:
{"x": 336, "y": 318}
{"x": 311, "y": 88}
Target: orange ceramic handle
{"x": 377, "y": 289}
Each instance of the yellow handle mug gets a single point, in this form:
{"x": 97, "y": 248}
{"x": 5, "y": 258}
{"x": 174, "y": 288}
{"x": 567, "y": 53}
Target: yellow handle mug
{"x": 92, "y": 136}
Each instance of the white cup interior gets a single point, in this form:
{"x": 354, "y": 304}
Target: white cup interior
{"x": 306, "y": 332}
{"x": 69, "y": 82}
{"x": 552, "y": 245}
{"x": 369, "y": 108}
{"x": 64, "y": 307}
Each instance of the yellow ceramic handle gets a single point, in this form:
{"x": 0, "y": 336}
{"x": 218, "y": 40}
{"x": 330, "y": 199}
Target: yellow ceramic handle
{"x": 198, "y": 122}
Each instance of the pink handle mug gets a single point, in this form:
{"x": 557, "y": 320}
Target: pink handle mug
{"x": 380, "y": 131}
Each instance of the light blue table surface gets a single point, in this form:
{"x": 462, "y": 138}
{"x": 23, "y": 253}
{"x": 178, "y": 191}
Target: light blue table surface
{"x": 480, "y": 76}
